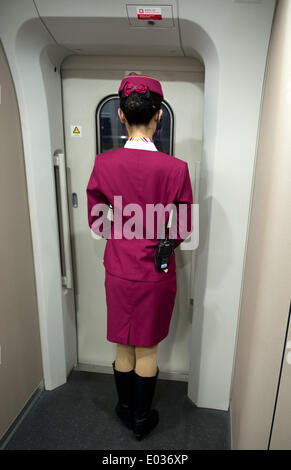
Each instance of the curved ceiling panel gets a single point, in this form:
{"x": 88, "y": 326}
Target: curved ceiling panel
{"x": 111, "y": 28}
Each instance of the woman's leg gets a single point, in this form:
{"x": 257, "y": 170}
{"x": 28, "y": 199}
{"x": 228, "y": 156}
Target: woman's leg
{"x": 146, "y": 360}
{"x": 141, "y": 358}
{"x": 125, "y": 357}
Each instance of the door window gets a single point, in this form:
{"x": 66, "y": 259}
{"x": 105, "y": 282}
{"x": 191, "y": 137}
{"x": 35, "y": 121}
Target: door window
{"x": 111, "y": 133}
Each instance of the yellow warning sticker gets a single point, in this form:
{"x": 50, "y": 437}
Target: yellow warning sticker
{"x": 76, "y": 130}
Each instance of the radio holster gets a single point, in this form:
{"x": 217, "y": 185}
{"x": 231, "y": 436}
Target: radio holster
{"x": 163, "y": 252}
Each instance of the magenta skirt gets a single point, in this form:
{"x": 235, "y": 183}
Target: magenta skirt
{"x": 138, "y": 313}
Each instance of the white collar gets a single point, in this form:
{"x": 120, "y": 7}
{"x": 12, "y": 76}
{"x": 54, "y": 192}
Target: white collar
{"x": 138, "y": 144}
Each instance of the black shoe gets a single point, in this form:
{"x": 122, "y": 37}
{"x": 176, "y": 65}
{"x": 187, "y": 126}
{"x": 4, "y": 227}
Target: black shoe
{"x": 144, "y": 418}
{"x": 124, "y": 386}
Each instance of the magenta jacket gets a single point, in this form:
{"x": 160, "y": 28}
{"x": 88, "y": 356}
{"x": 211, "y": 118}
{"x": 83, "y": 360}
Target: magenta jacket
{"x": 139, "y": 176}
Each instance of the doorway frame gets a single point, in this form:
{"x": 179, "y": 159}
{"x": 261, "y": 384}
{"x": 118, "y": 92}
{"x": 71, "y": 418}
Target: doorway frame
{"x": 35, "y": 61}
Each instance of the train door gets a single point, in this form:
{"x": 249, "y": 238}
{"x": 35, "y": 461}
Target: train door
{"x": 92, "y": 126}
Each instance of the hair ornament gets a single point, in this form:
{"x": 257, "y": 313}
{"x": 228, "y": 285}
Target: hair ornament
{"x": 131, "y": 87}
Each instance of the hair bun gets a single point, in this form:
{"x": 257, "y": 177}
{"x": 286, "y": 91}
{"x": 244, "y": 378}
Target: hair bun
{"x": 134, "y": 102}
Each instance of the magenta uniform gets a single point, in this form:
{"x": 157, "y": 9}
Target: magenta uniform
{"x": 140, "y": 300}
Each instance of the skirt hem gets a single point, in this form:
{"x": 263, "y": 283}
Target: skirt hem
{"x": 129, "y": 344}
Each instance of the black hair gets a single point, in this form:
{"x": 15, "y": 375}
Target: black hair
{"x": 139, "y": 108}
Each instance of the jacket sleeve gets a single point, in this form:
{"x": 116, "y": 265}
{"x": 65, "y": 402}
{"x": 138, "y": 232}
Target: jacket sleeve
{"x": 184, "y": 196}
{"x": 95, "y": 196}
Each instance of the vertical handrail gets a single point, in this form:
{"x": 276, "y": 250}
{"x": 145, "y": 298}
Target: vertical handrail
{"x": 59, "y": 161}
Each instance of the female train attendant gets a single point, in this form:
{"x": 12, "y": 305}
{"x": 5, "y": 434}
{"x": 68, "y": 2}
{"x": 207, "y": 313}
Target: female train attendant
{"x": 140, "y": 297}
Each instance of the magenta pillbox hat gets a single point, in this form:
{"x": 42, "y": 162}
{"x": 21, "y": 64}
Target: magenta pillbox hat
{"x": 139, "y": 83}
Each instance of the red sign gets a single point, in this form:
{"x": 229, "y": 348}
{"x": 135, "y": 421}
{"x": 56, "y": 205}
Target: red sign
{"x": 149, "y": 13}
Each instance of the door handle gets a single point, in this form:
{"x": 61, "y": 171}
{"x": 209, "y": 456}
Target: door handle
{"x": 59, "y": 162}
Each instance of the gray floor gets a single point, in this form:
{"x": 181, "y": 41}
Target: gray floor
{"x": 80, "y": 415}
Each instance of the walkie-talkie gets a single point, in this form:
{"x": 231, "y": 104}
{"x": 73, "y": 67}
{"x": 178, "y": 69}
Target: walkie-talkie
{"x": 163, "y": 252}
